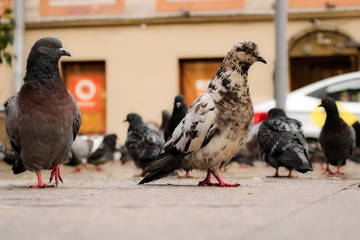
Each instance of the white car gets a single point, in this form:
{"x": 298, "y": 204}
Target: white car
{"x": 302, "y": 104}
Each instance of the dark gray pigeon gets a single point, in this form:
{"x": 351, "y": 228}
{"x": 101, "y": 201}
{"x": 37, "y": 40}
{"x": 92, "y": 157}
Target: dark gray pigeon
{"x": 165, "y": 117}
{"x": 216, "y": 125}
{"x": 43, "y": 119}
{"x": 337, "y": 139}
{"x": 282, "y": 143}
{"x": 143, "y": 143}
{"x": 6, "y": 155}
{"x": 178, "y": 113}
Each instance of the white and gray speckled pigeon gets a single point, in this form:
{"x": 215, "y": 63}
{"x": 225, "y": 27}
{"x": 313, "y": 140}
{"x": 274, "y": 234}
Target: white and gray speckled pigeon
{"x": 217, "y": 123}
{"x": 337, "y": 139}
{"x": 282, "y": 143}
{"x": 43, "y": 119}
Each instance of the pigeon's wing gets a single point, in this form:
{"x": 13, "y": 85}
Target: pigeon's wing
{"x": 12, "y": 129}
{"x": 296, "y": 129}
{"x": 77, "y": 119}
{"x": 12, "y": 124}
{"x": 144, "y": 143}
{"x": 196, "y": 130}
{"x": 197, "y": 127}
{"x": 274, "y": 137}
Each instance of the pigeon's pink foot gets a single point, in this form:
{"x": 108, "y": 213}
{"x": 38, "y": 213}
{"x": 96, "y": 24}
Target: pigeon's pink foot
{"x": 99, "y": 169}
{"x": 222, "y": 184}
{"x": 290, "y": 175}
{"x": 276, "y": 175}
{"x": 327, "y": 169}
{"x": 338, "y": 171}
{"x": 77, "y": 170}
{"x": 187, "y": 175}
{"x": 206, "y": 181}
{"x": 41, "y": 184}
{"x": 56, "y": 172}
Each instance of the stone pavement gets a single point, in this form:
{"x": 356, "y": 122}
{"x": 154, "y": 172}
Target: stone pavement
{"x": 110, "y": 205}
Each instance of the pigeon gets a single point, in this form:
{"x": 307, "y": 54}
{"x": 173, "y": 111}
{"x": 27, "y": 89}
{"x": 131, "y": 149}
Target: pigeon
{"x": 165, "y": 116}
{"x": 282, "y": 143}
{"x": 104, "y": 152}
{"x": 337, "y": 139}
{"x": 217, "y": 123}
{"x": 6, "y": 155}
{"x": 81, "y": 150}
{"x": 178, "y": 113}
{"x": 43, "y": 118}
{"x": 143, "y": 142}
{"x": 125, "y": 155}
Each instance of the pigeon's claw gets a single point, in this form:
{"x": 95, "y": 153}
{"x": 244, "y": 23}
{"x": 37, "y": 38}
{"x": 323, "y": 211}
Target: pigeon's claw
{"x": 56, "y": 172}
{"x": 338, "y": 171}
{"x": 221, "y": 183}
{"x": 206, "y": 181}
{"x": 41, "y": 184}
{"x": 327, "y": 170}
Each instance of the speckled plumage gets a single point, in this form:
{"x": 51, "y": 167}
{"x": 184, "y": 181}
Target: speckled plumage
{"x": 217, "y": 123}
{"x": 142, "y": 142}
{"x": 282, "y": 143}
{"x": 43, "y": 119}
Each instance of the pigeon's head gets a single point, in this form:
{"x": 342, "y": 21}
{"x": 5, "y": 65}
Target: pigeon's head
{"x": 133, "y": 118}
{"x": 329, "y": 104}
{"x": 179, "y": 99}
{"x": 245, "y": 52}
{"x": 276, "y": 112}
{"x": 49, "y": 48}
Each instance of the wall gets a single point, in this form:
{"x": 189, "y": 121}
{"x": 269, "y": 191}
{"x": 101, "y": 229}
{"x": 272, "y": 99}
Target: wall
{"x": 142, "y": 70}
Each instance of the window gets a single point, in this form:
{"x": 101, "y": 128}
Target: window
{"x": 86, "y": 82}
{"x": 195, "y": 75}
{"x": 348, "y": 91}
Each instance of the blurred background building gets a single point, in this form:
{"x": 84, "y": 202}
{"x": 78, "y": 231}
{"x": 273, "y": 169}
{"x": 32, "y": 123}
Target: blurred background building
{"x": 136, "y": 55}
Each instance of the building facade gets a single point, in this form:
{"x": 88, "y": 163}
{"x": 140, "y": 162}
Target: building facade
{"x": 136, "y": 55}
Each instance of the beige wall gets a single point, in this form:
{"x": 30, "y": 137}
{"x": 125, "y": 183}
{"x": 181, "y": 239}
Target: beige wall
{"x": 142, "y": 71}
{"x": 6, "y": 82}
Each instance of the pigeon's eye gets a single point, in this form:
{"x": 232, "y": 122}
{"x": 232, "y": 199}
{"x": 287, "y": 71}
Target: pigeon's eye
{"x": 248, "y": 50}
{"x": 49, "y": 44}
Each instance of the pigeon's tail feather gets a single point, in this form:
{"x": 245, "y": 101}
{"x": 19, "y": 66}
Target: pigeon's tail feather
{"x": 18, "y": 166}
{"x": 306, "y": 164}
{"x": 296, "y": 158}
{"x": 162, "y": 167}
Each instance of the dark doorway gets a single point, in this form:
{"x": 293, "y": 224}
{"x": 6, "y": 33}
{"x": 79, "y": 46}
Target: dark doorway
{"x": 307, "y": 70}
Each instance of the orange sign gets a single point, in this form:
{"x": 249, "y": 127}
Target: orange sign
{"x": 88, "y": 92}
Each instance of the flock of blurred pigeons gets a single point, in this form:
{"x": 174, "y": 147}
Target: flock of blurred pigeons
{"x": 43, "y": 120}
{"x": 280, "y": 142}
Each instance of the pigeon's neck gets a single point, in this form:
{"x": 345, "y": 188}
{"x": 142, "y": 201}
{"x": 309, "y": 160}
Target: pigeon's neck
{"x": 230, "y": 82}
{"x": 41, "y": 68}
{"x": 332, "y": 117}
{"x": 135, "y": 124}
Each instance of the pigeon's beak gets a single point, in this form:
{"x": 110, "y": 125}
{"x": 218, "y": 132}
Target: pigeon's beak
{"x": 178, "y": 104}
{"x": 64, "y": 52}
{"x": 260, "y": 59}
{"x": 125, "y": 120}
